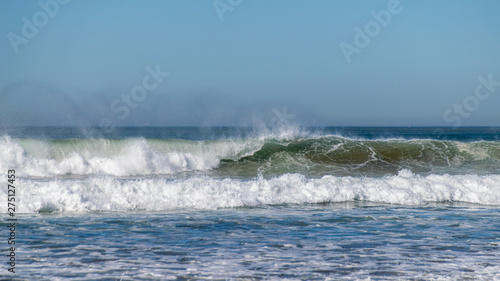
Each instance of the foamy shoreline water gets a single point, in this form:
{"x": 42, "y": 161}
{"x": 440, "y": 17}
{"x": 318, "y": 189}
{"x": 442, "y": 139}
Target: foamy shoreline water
{"x": 350, "y": 240}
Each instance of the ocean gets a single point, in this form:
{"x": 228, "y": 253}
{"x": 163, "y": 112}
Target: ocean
{"x": 227, "y": 203}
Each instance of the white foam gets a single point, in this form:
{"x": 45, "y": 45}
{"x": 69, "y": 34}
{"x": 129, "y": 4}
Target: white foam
{"x": 155, "y": 194}
{"x": 39, "y": 158}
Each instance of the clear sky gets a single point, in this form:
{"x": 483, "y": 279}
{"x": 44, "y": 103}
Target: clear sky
{"x": 238, "y": 62}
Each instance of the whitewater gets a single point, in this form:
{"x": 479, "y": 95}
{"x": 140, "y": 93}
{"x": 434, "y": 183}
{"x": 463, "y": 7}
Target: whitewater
{"x": 233, "y": 203}
{"x": 102, "y": 174}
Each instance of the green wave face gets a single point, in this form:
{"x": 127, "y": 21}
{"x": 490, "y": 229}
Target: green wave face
{"x": 339, "y": 156}
{"x": 248, "y": 158}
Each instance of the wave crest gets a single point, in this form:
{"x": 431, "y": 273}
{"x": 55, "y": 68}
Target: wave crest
{"x": 341, "y": 156}
{"x": 129, "y": 157}
{"x": 246, "y": 158}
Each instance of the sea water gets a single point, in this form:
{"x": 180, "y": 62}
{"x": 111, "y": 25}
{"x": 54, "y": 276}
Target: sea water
{"x": 243, "y": 204}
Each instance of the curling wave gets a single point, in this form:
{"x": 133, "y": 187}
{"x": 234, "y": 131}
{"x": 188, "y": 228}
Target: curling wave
{"x": 247, "y": 158}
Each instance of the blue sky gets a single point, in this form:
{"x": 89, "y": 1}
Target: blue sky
{"x": 234, "y": 65}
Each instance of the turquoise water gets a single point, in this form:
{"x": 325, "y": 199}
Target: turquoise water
{"x": 227, "y": 203}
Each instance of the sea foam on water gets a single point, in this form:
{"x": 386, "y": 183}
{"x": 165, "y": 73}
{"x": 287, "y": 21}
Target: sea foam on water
{"x": 106, "y": 193}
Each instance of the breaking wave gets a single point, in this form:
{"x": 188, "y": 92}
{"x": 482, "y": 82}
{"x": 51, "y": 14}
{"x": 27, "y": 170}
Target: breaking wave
{"x": 247, "y": 158}
{"x": 157, "y": 194}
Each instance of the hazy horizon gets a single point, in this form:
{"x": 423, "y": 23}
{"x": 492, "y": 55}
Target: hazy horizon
{"x": 249, "y": 63}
